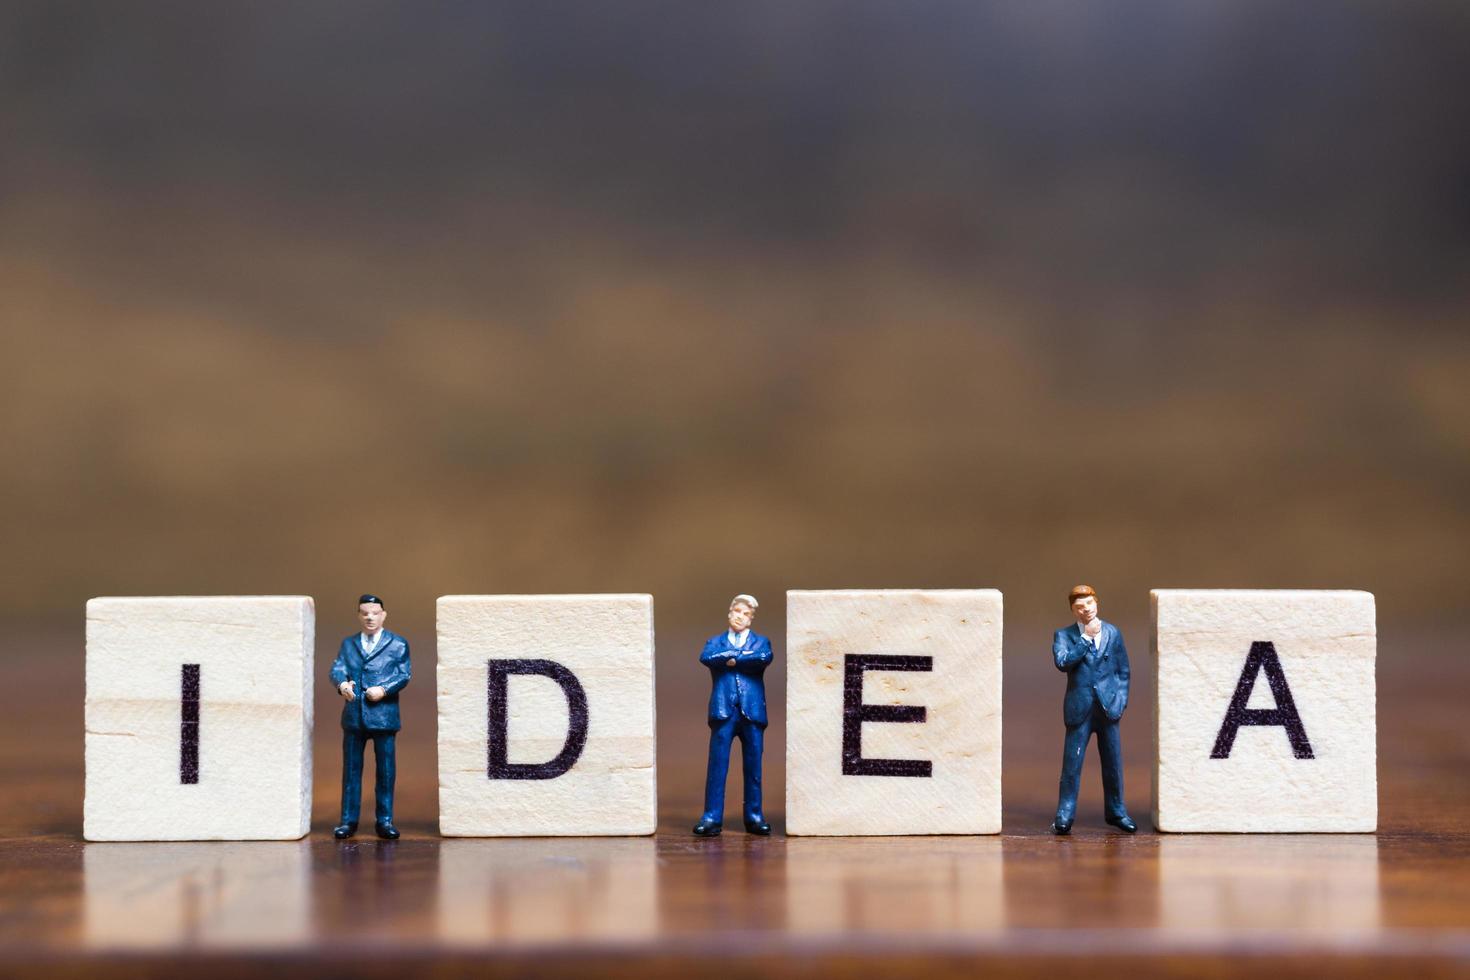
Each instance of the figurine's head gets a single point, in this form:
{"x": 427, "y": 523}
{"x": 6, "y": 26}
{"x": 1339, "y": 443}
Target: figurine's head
{"x": 1083, "y": 599}
{"x": 742, "y": 612}
{"x": 370, "y": 613}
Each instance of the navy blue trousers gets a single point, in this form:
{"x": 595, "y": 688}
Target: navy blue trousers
{"x": 353, "y": 744}
{"x": 1109, "y": 749}
{"x": 752, "y": 739}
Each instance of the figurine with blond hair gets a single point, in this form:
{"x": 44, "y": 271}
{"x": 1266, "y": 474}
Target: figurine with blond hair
{"x": 737, "y": 660}
{"x": 1092, "y": 654}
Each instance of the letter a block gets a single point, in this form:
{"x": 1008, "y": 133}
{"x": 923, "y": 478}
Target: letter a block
{"x": 1265, "y": 718}
{"x": 893, "y": 712}
{"x": 199, "y": 718}
{"x": 546, "y": 724}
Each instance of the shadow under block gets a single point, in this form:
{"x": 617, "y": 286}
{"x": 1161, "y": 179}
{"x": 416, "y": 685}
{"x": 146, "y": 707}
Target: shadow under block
{"x": 1265, "y": 713}
{"x": 198, "y": 718}
{"x": 893, "y": 712}
{"x": 546, "y": 716}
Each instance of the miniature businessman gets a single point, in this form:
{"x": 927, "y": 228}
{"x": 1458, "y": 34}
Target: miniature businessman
{"x": 370, "y": 669}
{"x": 737, "y": 660}
{"x": 1096, "y": 663}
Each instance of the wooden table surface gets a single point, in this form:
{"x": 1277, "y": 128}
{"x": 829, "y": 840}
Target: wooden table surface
{"x": 1020, "y": 903}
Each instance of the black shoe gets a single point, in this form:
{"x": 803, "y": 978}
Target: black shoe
{"x": 707, "y": 828}
{"x": 345, "y": 830}
{"x": 1124, "y": 823}
{"x": 1061, "y": 828}
{"x": 758, "y": 826}
{"x": 386, "y": 831}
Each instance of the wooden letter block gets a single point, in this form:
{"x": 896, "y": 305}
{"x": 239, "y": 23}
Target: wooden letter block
{"x": 546, "y": 724}
{"x": 893, "y": 712}
{"x": 1265, "y": 712}
{"x": 198, "y": 718}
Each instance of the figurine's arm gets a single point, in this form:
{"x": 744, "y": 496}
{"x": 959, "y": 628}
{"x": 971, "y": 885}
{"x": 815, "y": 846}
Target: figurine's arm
{"x": 401, "y": 676}
{"x": 339, "y": 670}
{"x": 1123, "y": 669}
{"x": 712, "y": 653}
{"x": 344, "y": 686}
{"x": 758, "y": 656}
{"x": 1065, "y": 653}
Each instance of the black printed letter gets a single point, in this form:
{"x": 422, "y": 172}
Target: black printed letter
{"x": 854, "y": 713}
{"x": 189, "y": 724}
{"x": 1262, "y": 657}
{"x": 577, "y": 722}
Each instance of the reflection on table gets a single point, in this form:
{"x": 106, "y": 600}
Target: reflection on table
{"x": 1217, "y": 885}
{"x": 209, "y": 895}
{"x": 548, "y": 890}
{"x": 857, "y": 885}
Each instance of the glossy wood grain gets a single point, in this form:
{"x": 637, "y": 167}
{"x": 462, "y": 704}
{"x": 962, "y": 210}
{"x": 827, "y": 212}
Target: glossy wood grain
{"x": 673, "y": 905}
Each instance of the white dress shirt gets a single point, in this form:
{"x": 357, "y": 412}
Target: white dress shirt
{"x": 370, "y": 643}
{"x": 737, "y": 640}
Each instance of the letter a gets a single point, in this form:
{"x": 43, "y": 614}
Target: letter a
{"x": 1262, "y": 657}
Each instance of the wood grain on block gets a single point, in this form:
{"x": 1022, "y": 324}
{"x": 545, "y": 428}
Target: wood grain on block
{"x": 546, "y": 716}
{"x": 1264, "y": 717}
{"x": 198, "y": 718}
{"x": 893, "y": 712}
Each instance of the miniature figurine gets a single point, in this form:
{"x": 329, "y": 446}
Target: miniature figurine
{"x": 375, "y": 661}
{"x": 736, "y": 659}
{"x": 1096, "y": 662}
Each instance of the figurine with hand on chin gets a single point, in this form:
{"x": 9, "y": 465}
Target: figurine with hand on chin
{"x": 371, "y": 668}
{"x": 1092, "y": 654}
{"x": 737, "y": 660}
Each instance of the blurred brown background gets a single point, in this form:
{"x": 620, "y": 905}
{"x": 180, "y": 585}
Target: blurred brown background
{"x": 434, "y": 298}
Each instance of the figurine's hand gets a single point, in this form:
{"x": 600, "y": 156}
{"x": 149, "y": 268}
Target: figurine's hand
{"x": 1093, "y": 628}
{"x": 348, "y": 690}
{"x": 730, "y": 662}
{"x": 375, "y": 693}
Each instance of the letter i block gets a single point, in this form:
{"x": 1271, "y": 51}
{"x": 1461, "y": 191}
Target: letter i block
{"x": 546, "y": 723}
{"x": 893, "y": 712}
{"x": 1265, "y": 713}
{"x": 199, "y": 718}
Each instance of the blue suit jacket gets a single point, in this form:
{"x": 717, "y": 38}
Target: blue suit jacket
{"x": 387, "y": 668}
{"x": 741, "y": 688}
{"x": 1093, "y": 676}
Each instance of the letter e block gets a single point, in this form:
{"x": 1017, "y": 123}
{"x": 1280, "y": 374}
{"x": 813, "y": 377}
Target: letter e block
{"x": 1265, "y": 713}
{"x": 546, "y": 723}
{"x": 893, "y": 712}
{"x": 198, "y": 718}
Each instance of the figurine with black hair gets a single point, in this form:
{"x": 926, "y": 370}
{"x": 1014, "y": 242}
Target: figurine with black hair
{"x": 372, "y": 666}
{"x": 737, "y": 660}
{"x": 1092, "y": 654}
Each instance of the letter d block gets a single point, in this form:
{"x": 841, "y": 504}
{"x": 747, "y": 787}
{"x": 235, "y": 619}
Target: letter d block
{"x": 893, "y": 712}
{"x": 546, "y": 715}
{"x": 199, "y": 718}
{"x": 1265, "y": 718}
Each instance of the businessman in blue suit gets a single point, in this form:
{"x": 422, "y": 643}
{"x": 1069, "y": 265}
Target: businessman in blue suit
{"x": 1092, "y": 654}
{"x": 737, "y": 660}
{"x": 371, "y": 668}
